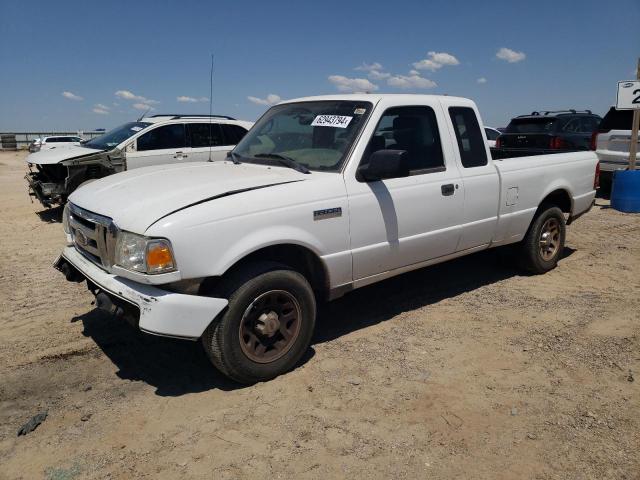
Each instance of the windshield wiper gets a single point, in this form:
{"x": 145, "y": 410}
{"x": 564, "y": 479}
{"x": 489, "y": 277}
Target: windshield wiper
{"x": 284, "y": 160}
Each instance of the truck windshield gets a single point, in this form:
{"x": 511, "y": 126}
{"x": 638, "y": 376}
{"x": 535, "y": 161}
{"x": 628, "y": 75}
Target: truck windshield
{"x": 116, "y": 136}
{"x": 531, "y": 125}
{"x": 317, "y": 135}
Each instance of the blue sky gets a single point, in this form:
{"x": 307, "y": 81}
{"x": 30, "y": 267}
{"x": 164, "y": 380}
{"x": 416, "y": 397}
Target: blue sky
{"x": 117, "y": 57}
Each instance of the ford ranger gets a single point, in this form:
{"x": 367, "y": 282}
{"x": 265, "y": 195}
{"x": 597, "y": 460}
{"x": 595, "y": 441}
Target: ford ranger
{"x": 322, "y": 196}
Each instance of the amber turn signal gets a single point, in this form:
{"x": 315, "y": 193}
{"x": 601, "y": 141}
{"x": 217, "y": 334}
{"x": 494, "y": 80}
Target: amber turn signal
{"x": 159, "y": 257}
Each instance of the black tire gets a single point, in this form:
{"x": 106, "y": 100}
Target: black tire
{"x": 228, "y": 349}
{"x": 533, "y": 256}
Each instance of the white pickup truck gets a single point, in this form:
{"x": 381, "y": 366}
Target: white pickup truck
{"x": 323, "y": 195}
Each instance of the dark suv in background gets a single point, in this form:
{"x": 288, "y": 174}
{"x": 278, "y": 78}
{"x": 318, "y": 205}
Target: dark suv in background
{"x": 547, "y": 132}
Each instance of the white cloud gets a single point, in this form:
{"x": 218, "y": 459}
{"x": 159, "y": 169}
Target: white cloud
{"x": 271, "y": 99}
{"x": 186, "y": 99}
{"x": 345, "y": 84}
{"x": 443, "y": 58}
{"x": 378, "y": 75}
{"x": 410, "y": 81}
{"x": 100, "y": 109}
{"x": 72, "y": 96}
{"x": 509, "y": 55}
{"x": 481, "y": 80}
{"x": 374, "y": 70}
{"x": 128, "y": 95}
{"x": 368, "y": 67}
{"x": 142, "y": 106}
{"x": 435, "y": 61}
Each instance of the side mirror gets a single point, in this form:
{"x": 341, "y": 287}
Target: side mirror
{"x": 384, "y": 164}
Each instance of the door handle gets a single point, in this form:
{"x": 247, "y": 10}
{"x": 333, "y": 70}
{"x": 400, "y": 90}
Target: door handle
{"x": 447, "y": 189}
{"x": 179, "y": 155}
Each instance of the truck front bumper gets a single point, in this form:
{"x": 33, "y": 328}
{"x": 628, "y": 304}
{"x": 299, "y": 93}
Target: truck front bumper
{"x": 153, "y": 310}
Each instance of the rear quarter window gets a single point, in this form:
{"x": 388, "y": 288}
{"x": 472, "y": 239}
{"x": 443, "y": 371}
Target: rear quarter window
{"x": 471, "y": 143}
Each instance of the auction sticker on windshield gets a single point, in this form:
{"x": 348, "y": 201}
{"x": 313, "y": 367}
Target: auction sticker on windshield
{"x": 336, "y": 121}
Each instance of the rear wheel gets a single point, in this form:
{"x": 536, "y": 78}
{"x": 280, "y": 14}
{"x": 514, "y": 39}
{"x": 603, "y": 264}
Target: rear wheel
{"x": 267, "y": 326}
{"x": 541, "y": 248}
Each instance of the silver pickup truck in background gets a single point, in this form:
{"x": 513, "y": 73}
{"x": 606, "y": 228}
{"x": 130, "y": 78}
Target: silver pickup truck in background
{"x": 612, "y": 143}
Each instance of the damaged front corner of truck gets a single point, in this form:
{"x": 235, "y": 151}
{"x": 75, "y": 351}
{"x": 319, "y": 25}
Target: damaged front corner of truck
{"x": 54, "y": 174}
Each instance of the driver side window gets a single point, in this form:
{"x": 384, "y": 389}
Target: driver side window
{"x": 413, "y": 129}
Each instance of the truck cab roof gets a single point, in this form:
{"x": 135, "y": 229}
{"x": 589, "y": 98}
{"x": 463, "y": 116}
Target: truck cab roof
{"x": 400, "y": 98}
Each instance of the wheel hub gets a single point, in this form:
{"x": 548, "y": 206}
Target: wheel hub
{"x": 268, "y": 324}
{"x": 549, "y": 242}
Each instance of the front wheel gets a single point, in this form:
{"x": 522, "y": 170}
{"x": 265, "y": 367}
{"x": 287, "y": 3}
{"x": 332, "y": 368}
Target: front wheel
{"x": 267, "y": 326}
{"x": 544, "y": 243}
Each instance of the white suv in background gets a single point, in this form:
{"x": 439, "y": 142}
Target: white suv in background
{"x": 45, "y": 143}
{"x": 156, "y": 140}
{"x": 612, "y": 143}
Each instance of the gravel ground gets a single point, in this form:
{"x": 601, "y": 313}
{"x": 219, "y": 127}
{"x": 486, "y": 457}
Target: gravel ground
{"x": 463, "y": 370}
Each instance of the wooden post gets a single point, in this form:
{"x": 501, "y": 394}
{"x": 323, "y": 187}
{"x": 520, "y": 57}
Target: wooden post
{"x": 633, "y": 150}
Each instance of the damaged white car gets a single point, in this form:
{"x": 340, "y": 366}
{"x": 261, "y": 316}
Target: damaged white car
{"x": 160, "y": 139}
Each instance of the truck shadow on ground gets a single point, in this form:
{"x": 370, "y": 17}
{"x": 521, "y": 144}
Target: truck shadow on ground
{"x": 382, "y": 301}
{"x": 173, "y": 367}
{"x": 178, "y": 367}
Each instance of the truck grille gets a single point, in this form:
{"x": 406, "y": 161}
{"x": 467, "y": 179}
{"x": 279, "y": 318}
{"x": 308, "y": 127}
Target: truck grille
{"x": 93, "y": 235}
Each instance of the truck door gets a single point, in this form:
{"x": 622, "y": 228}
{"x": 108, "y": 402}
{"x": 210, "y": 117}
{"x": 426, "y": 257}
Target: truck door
{"x": 159, "y": 146}
{"x": 398, "y": 222}
{"x": 479, "y": 176}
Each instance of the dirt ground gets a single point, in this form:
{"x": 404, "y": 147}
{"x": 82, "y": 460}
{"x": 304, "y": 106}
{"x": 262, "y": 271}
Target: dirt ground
{"x": 464, "y": 370}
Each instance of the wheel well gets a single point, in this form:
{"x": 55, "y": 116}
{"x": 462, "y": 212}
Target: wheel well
{"x": 559, "y": 198}
{"x": 296, "y": 257}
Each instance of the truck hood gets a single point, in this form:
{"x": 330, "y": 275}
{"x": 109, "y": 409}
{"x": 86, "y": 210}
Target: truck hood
{"x": 58, "y": 154}
{"x": 138, "y": 198}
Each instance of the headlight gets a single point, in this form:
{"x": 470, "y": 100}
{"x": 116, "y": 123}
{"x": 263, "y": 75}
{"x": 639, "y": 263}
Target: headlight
{"x": 146, "y": 255}
{"x": 65, "y": 219}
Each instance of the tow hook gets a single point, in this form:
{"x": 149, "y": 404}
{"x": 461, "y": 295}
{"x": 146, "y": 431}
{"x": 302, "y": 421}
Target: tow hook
{"x": 104, "y": 303}
{"x": 70, "y": 272}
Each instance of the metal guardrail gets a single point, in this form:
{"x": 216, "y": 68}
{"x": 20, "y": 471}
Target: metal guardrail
{"x": 23, "y": 139}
